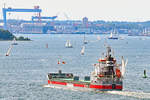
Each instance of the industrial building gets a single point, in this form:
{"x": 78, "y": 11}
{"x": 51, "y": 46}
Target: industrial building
{"x": 50, "y": 25}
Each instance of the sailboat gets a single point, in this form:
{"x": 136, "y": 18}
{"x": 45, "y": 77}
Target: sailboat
{"x": 145, "y": 32}
{"x": 84, "y": 41}
{"x": 115, "y": 36}
{"x": 14, "y": 42}
{"x": 82, "y": 51}
{"x": 68, "y": 44}
{"x": 9, "y": 49}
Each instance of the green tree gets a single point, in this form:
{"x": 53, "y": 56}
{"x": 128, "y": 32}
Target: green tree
{"x": 6, "y": 35}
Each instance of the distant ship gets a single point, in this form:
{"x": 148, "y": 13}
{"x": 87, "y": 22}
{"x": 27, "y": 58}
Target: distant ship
{"x": 113, "y": 35}
{"x": 106, "y": 76}
{"x": 68, "y": 44}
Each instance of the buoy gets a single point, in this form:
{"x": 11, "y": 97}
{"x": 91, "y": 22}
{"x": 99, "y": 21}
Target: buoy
{"x": 46, "y": 45}
{"x": 144, "y": 74}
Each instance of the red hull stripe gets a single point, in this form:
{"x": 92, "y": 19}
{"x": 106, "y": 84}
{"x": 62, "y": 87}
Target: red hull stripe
{"x": 49, "y": 81}
{"x": 56, "y": 82}
{"x": 119, "y": 87}
{"x": 105, "y": 87}
{"x": 78, "y": 85}
{"x": 100, "y": 87}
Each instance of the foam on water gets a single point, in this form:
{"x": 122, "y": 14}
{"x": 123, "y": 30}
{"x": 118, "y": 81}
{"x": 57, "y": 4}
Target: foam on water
{"x": 66, "y": 88}
{"x": 140, "y": 95}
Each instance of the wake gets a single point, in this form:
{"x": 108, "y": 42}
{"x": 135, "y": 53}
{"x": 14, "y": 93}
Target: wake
{"x": 140, "y": 95}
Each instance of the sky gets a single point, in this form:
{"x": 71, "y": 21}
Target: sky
{"x": 108, "y": 10}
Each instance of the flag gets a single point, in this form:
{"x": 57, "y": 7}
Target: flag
{"x": 63, "y": 62}
{"x": 58, "y": 62}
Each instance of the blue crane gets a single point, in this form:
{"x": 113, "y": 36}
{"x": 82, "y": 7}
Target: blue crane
{"x": 5, "y": 10}
{"x": 43, "y": 17}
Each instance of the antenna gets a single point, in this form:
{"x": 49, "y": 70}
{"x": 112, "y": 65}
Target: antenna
{"x": 112, "y": 52}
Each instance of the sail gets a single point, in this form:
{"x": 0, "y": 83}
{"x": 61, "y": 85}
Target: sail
{"x": 111, "y": 34}
{"x": 124, "y": 63}
{"x": 68, "y": 44}
{"x": 9, "y": 49}
{"x": 82, "y": 51}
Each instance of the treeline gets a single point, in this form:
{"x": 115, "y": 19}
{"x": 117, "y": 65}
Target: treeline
{"x": 6, "y": 35}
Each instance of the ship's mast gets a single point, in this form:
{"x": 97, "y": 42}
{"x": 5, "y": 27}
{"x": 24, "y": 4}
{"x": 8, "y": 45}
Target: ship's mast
{"x": 108, "y": 51}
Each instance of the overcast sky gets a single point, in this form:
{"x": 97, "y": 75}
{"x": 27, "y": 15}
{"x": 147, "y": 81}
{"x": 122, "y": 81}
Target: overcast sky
{"x": 108, "y": 10}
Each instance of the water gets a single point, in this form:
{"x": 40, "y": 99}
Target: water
{"x": 23, "y": 73}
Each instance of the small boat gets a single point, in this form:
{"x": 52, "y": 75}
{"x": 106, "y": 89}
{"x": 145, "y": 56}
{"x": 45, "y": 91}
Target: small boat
{"x": 82, "y": 51}
{"x": 113, "y": 35}
{"x": 121, "y": 38}
{"x": 68, "y": 44}
{"x": 145, "y": 33}
{"x": 14, "y": 42}
{"x": 84, "y": 40}
{"x": 107, "y": 75}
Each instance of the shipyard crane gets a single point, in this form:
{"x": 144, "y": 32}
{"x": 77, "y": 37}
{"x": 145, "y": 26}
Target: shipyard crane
{"x": 44, "y": 17}
{"x": 9, "y": 9}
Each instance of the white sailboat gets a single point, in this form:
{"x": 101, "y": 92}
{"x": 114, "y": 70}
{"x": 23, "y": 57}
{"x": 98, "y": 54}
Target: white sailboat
{"x": 145, "y": 32}
{"x": 14, "y": 42}
{"x": 9, "y": 49}
{"x": 82, "y": 51}
{"x": 113, "y": 35}
{"x": 84, "y": 41}
{"x": 68, "y": 44}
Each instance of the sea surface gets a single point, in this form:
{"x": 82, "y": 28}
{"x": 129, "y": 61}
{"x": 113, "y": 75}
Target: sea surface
{"x": 24, "y": 72}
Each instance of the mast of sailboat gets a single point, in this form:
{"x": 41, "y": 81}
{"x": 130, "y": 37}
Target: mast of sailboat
{"x": 84, "y": 37}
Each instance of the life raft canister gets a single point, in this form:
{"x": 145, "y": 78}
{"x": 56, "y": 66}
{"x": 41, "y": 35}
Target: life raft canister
{"x": 101, "y": 75}
{"x": 118, "y": 73}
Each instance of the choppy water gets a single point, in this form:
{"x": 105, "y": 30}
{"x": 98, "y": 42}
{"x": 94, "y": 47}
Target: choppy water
{"x": 23, "y": 73}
